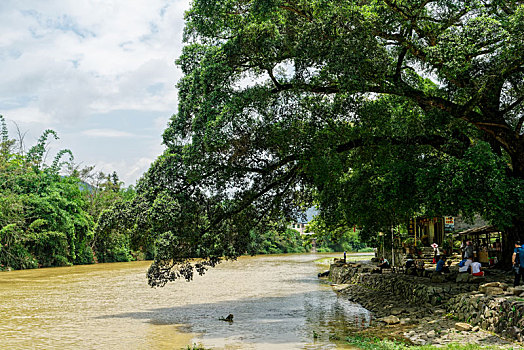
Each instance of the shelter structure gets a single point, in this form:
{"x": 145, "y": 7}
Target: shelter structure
{"x": 429, "y": 229}
{"x": 487, "y": 242}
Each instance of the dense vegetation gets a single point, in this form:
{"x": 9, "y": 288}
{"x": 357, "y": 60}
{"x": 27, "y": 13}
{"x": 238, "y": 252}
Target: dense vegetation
{"x": 373, "y": 111}
{"x": 278, "y": 241}
{"x": 49, "y": 219}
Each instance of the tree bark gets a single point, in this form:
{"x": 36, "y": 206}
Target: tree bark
{"x": 509, "y": 237}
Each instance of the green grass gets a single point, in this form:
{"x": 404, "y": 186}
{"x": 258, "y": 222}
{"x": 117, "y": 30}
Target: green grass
{"x": 365, "y": 343}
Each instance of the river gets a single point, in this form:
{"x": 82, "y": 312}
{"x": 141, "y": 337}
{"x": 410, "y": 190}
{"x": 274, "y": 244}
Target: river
{"x": 277, "y": 302}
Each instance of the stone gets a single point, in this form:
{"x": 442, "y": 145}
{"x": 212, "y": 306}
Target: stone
{"x": 483, "y": 287}
{"x": 431, "y": 334}
{"x": 463, "y": 277}
{"x": 405, "y": 321}
{"x": 438, "y": 278}
{"x": 477, "y": 279}
{"x": 518, "y": 290}
{"x": 397, "y": 311}
{"x": 339, "y": 287}
{"x": 475, "y": 329}
{"x": 461, "y": 326}
{"x": 494, "y": 291}
{"x": 513, "y": 332}
{"x": 390, "y": 319}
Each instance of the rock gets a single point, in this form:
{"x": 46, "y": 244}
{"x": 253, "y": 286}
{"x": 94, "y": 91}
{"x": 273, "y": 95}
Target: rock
{"x": 339, "y": 287}
{"x": 461, "y": 326}
{"x": 513, "y": 332}
{"x": 405, "y": 321}
{"x": 438, "y": 278}
{"x": 483, "y": 287}
{"x": 494, "y": 291}
{"x": 431, "y": 334}
{"x": 463, "y": 277}
{"x": 229, "y": 318}
{"x": 390, "y": 319}
{"x": 323, "y": 274}
{"x": 518, "y": 290}
{"x": 397, "y": 311}
{"x": 477, "y": 279}
{"x": 475, "y": 329}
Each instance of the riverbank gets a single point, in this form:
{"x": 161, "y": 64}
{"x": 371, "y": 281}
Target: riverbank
{"x": 420, "y": 311}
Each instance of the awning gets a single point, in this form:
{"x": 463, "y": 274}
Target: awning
{"x": 479, "y": 230}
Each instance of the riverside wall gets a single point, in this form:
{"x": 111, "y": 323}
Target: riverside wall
{"x": 492, "y": 306}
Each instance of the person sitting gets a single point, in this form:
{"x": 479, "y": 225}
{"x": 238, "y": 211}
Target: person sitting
{"x": 409, "y": 261}
{"x": 497, "y": 245}
{"x": 475, "y": 267}
{"x": 441, "y": 265}
{"x": 466, "y": 266}
{"x": 384, "y": 264}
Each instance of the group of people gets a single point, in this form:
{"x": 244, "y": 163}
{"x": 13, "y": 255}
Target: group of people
{"x": 469, "y": 263}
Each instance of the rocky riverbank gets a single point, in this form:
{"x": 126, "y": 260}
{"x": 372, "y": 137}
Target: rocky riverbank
{"x": 425, "y": 312}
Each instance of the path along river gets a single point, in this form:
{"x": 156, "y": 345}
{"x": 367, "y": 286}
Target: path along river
{"x": 277, "y": 302}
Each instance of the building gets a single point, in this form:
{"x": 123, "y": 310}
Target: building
{"x": 301, "y": 223}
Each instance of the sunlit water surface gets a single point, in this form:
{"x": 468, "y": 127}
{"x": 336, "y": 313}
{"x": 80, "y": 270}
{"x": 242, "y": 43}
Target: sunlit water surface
{"x": 277, "y": 302}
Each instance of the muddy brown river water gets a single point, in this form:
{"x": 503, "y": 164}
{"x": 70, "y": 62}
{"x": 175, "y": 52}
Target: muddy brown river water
{"x": 277, "y": 302}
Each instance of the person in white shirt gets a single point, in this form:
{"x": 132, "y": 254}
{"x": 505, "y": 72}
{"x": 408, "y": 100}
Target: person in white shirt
{"x": 475, "y": 267}
{"x": 467, "y": 264}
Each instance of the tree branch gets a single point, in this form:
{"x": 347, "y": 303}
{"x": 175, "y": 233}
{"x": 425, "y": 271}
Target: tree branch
{"x": 298, "y": 12}
{"x": 513, "y": 105}
{"x": 519, "y": 125}
{"x": 435, "y": 141}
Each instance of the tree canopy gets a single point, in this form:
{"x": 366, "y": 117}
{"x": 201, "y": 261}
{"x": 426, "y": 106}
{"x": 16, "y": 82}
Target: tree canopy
{"x": 373, "y": 110}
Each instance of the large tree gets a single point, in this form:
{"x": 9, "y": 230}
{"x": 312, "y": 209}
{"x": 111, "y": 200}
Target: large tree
{"x": 373, "y": 110}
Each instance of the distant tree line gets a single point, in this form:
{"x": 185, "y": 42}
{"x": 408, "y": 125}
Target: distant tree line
{"x": 48, "y": 212}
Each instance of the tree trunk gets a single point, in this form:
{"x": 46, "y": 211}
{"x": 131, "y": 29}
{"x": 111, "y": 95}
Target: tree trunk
{"x": 516, "y": 231}
{"x": 510, "y": 235}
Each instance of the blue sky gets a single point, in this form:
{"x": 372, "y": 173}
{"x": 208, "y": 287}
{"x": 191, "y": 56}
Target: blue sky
{"x": 100, "y": 73}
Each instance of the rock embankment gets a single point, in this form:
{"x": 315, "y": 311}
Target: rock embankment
{"x": 417, "y": 290}
{"x": 495, "y": 307}
{"x": 427, "y": 312}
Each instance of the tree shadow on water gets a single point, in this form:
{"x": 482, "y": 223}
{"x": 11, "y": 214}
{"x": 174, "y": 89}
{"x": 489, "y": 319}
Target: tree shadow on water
{"x": 276, "y": 320}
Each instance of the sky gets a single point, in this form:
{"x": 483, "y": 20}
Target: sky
{"x": 101, "y": 73}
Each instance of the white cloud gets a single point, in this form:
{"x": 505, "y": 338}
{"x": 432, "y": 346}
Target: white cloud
{"x": 63, "y": 63}
{"x": 83, "y": 57}
{"x": 28, "y": 115}
{"x": 106, "y": 133}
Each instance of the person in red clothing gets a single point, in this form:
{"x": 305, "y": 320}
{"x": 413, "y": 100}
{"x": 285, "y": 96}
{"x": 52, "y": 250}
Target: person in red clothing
{"x": 475, "y": 267}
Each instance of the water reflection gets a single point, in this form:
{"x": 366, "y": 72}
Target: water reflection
{"x": 277, "y": 303}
